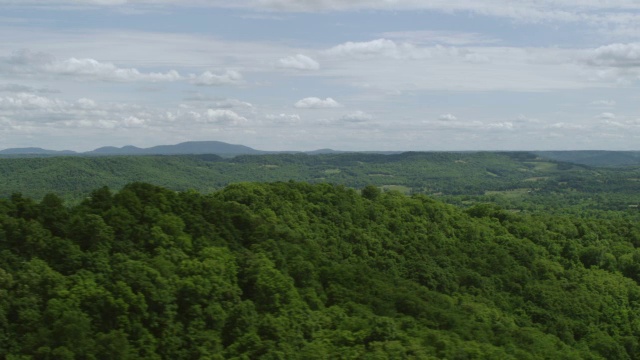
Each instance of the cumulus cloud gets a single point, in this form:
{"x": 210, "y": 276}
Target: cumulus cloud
{"x": 230, "y": 103}
{"x": 298, "y": 62}
{"x": 223, "y": 117}
{"x": 35, "y": 111}
{"x": 607, "y": 116}
{"x": 565, "y": 126}
{"x": 356, "y": 117}
{"x": 404, "y": 50}
{"x": 85, "y": 103}
{"x": 38, "y": 63}
{"x": 91, "y": 68}
{"x": 133, "y": 121}
{"x": 505, "y": 125}
{"x": 317, "y": 103}
{"x": 106, "y": 123}
{"x": 284, "y": 118}
{"x": 619, "y": 62}
{"x": 447, "y": 117}
{"x": 229, "y": 77}
{"x": 615, "y": 55}
{"x": 378, "y": 47}
{"x": 26, "y": 101}
{"x": 218, "y": 102}
{"x": 185, "y": 117}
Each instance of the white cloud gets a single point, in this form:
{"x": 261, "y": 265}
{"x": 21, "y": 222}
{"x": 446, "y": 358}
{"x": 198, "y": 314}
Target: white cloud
{"x": 25, "y": 101}
{"x": 505, "y": 125}
{"x": 39, "y": 63}
{"x": 403, "y": 51}
{"x": 229, "y": 77}
{"x": 39, "y": 112}
{"x": 565, "y": 126}
{"x": 223, "y": 117}
{"x": 230, "y": 103}
{"x": 85, "y": 103}
{"x": 133, "y": 121}
{"x": 317, "y": 103}
{"x": 298, "y": 62}
{"x": 447, "y": 117}
{"x": 284, "y": 118}
{"x": 378, "y": 47}
{"x": 618, "y": 62}
{"x": 218, "y": 102}
{"x": 94, "y": 69}
{"x": 357, "y": 117}
{"x": 607, "y": 116}
{"x": 615, "y": 55}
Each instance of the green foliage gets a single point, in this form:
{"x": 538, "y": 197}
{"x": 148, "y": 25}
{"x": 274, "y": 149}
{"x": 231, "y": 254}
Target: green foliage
{"x": 300, "y": 271}
{"x": 519, "y": 181}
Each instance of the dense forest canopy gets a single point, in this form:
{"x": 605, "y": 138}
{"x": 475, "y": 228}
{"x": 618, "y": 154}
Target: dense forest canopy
{"x": 292, "y": 270}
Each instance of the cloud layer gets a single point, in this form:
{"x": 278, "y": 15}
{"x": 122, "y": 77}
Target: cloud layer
{"x": 298, "y": 62}
{"x": 317, "y": 103}
{"x": 541, "y": 74}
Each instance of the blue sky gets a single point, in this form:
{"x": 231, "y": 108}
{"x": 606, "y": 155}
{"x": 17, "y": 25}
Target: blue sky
{"x": 302, "y": 74}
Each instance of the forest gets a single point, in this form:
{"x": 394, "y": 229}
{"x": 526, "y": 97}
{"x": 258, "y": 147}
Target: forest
{"x": 294, "y": 270}
{"x": 519, "y": 181}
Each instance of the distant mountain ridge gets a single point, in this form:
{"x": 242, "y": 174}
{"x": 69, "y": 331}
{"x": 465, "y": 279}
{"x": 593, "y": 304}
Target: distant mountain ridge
{"x": 112, "y": 150}
{"x": 185, "y": 148}
{"x": 35, "y": 151}
{"x": 596, "y": 158}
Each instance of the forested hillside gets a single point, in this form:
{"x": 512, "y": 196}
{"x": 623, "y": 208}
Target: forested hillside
{"x": 298, "y": 271}
{"x": 595, "y": 157}
{"x": 518, "y": 180}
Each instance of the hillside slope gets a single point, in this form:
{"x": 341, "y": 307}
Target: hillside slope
{"x": 517, "y": 180}
{"x": 299, "y": 271}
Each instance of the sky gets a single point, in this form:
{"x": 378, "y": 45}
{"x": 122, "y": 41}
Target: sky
{"x": 309, "y": 74}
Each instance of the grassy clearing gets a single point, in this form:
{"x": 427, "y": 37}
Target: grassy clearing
{"x": 400, "y": 188}
{"x": 511, "y": 194}
{"x": 332, "y": 171}
{"x": 543, "y": 166}
{"x": 537, "y": 178}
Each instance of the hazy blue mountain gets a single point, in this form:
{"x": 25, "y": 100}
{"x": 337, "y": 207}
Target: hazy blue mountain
{"x": 596, "y": 158}
{"x": 201, "y": 147}
{"x": 323, "y": 151}
{"x": 35, "y": 151}
{"x": 190, "y": 147}
{"x": 112, "y": 150}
